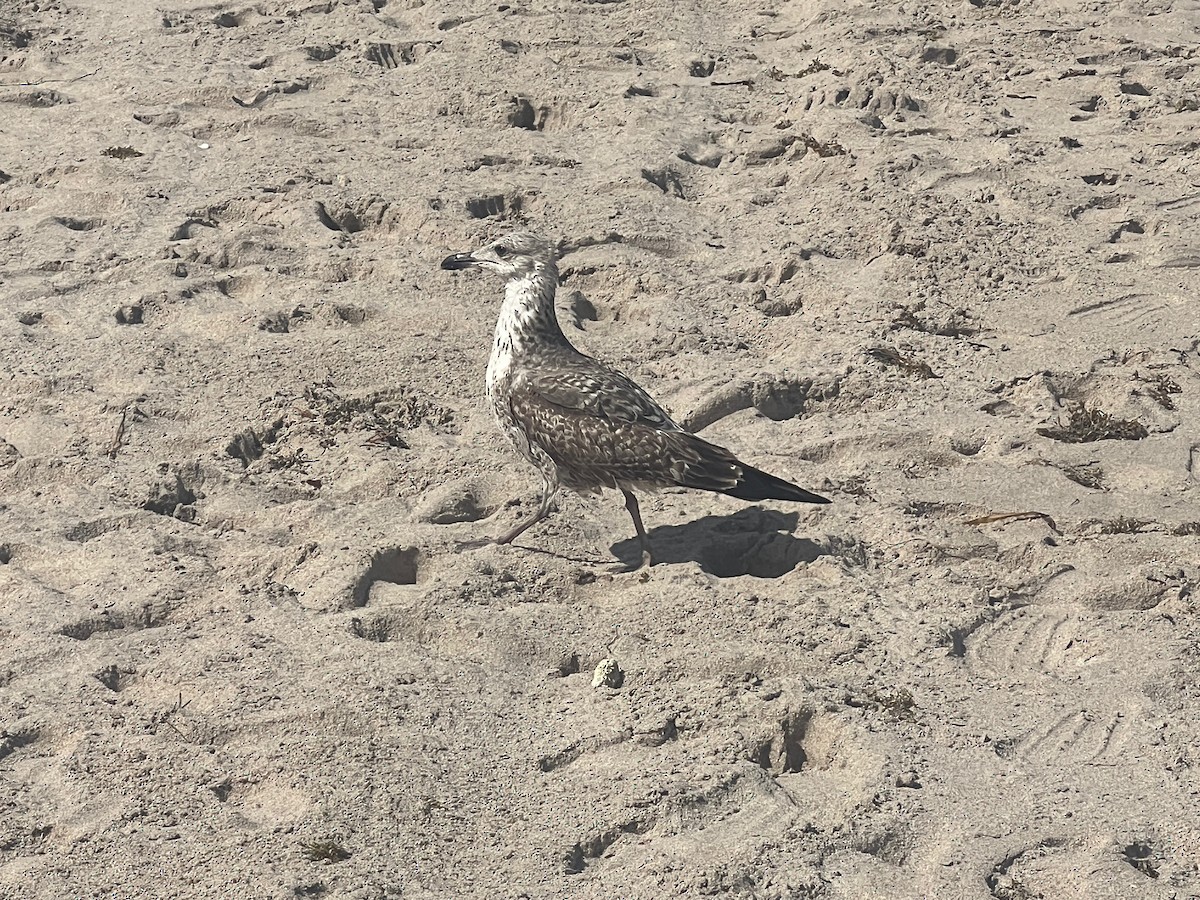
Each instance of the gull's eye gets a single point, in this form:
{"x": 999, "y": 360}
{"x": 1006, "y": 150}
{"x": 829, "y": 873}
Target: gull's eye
{"x": 502, "y": 251}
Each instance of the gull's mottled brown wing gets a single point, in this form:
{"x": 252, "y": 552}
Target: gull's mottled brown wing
{"x": 586, "y": 386}
{"x": 602, "y": 430}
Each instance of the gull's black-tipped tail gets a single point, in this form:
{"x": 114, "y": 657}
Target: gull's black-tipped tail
{"x": 707, "y": 467}
{"x": 756, "y": 484}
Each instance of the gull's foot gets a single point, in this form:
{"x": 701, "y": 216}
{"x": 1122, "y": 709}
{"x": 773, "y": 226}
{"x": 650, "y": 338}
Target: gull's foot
{"x": 643, "y": 565}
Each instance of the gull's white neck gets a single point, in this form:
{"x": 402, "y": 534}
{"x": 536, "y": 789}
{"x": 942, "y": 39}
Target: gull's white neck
{"x": 526, "y": 322}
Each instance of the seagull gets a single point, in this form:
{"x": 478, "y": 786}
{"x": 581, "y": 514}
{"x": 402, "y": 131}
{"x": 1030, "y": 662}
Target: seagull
{"x": 584, "y": 425}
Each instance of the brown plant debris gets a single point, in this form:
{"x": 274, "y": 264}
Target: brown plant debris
{"x": 1012, "y": 517}
{"x": 906, "y": 364}
{"x": 897, "y": 703}
{"x": 386, "y": 414}
{"x": 115, "y": 446}
{"x": 777, "y": 74}
{"x": 944, "y": 322}
{"x": 122, "y": 153}
{"x": 326, "y": 850}
{"x": 1086, "y": 424}
{"x": 1159, "y": 388}
{"x": 823, "y": 148}
{"x": 1090, "y": 475}
{"x": 1125, "y": 525}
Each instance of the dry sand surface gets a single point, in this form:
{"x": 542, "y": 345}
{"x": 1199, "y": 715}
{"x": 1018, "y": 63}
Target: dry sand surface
{"x": 938, "y": 261}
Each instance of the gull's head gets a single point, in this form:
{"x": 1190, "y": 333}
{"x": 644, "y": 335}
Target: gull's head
{"x": 516, "y": 255}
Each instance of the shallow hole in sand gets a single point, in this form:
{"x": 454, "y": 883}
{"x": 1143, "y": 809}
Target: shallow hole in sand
{"x": 394, "y": 565}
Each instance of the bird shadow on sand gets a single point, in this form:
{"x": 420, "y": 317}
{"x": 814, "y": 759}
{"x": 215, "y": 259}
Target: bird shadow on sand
{"x": 752, "y": 541}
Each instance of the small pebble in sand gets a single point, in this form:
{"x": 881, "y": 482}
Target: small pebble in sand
{"x": 908, "y": 779}
{"x": 608, "y": 674}
{"x": 204, "y": 146}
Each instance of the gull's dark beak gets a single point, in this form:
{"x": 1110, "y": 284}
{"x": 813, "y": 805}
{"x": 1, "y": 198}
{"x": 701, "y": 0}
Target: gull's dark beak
{"x": 459, "y": 261}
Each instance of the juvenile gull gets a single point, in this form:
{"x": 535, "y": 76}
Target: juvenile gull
{"x": 584, "y": 425}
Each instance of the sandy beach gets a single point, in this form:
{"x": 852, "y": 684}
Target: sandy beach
{"x": 939, "y": 262}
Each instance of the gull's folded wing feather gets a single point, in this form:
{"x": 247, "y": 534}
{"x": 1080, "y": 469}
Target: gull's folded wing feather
{"x": 600, "y": 427}
{"x": 585, "y": 386}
